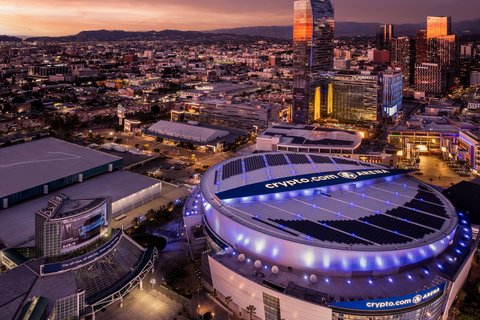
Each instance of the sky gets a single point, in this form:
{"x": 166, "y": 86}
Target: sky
{"x": 66, "y": 17}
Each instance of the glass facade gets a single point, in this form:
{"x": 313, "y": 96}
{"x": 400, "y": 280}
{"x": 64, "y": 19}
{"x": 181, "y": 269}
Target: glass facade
{"x": 351, "y": 97}
{"x": 438, "y": 27}
{"x": 313, "y": 46}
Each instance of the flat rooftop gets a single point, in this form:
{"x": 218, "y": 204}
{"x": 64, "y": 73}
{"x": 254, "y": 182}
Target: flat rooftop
{"x": 17, "y": 223}
{"x": 187, "y": 132}
{"x": 381, "y": 214}
{"x": 39, "y": 162}
{"x": 310, "y": 137}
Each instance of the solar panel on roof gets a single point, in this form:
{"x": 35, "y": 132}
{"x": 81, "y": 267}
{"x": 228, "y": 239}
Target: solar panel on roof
{"x": 298, "y": 140}
{"x": 231, "y": 169}
{"x": 320, "y": 159}
{"x": 427, "y": 207}
{"x": 276, "y": 160}
{"x": 297, "y": 158}
{"x": 345, "y": 161}
{"x": 254, "y": 163}
{"x": 319, "y": 232}
{"x": 417, "y": 217}
{"x": 396, "y": 225}
{"x": 367, "y": 231}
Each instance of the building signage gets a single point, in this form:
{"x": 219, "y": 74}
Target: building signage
{"x": 82, "y": 260}
{"x": 309, "y": 181}
{"x": 394, "y": 303}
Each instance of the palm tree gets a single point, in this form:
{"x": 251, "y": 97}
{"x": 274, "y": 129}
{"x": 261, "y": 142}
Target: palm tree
{"x": 214, "y": 294}
{"x": 228, "y": 300}
{"x": 251, "y": 310}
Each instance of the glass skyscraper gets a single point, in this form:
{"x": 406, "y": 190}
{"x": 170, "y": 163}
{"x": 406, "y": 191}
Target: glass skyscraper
{"x": 313, "y": 34}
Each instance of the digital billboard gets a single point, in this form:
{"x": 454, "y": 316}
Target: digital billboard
{"x": 85, "y": 228}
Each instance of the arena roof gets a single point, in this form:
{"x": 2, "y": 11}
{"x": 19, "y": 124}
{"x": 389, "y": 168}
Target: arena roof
{"x": 354, "y": 205}
{"x": 311, "y": 137}
{"x": 39, "y": 162}
{"x": 186, "y": 132}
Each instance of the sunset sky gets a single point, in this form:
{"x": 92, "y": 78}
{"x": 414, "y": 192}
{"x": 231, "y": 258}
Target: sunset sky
{"x": 65, "y": 17}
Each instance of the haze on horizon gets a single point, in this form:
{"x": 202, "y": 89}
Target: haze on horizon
{"x": 66, "y": 17}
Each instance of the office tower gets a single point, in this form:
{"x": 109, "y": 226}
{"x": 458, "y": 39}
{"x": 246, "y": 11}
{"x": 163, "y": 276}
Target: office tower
{"x": 429, "y": 78}
{"x": 421, "y": 47}
{"x": 351, "y": 97}
{"x": 392, "y": 84}
{"x": 403, "y": 57}
{"x": 313, "y": 33}
{"x": 438, "y": 26}
{"x": 384, "y": 36}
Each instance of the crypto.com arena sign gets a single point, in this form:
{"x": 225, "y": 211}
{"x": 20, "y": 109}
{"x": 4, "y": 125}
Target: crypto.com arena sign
{"x": 308, "y": 181}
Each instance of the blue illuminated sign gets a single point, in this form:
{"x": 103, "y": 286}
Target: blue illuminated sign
{"x": 308, "y": 181}
{"x": 394, "y": 303}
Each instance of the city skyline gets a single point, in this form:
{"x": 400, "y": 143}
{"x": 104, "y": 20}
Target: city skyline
{"x": 143, "y": 15}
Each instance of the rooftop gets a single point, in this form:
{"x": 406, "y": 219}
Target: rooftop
{"x": 394, "y": 213}
{"x": 17, "y": 223}
{"x": 310, "y": 136}
{"x": 187, "y": 132}
{"x": 39, "y": 162}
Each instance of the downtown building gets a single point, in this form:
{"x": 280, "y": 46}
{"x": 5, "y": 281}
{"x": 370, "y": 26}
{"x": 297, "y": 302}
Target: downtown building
{"x": 359, "y": 97}
{"x": 438, "y": 55}
{"x": 384, "y": 36}
{"x": 313, "y": 35}
{"x": 403, "y": 57}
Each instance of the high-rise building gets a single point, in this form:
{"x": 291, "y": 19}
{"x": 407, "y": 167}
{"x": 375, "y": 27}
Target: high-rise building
{"x": 392, "y": 84}
{"x": 429, "y": 78}
{"x": 437, "y": 51}
{"x": 421, "y": 47}
{"x": 313, "y": 33}
{"x": 403, "y": 57}
{"x": 384, "y": 36}
{"x": 438, "y": 27}
{"x": 351, "y": 97}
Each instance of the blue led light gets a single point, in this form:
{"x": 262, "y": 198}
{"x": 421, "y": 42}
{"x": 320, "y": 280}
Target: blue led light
{"x": 349, "y": 281}
{"x": 390, "y": 280}
{"x": 409, "y": 277}
{"x": 327, "y": 280}
{"x": 370, "y": 281}
{"x": 439, "y": 266}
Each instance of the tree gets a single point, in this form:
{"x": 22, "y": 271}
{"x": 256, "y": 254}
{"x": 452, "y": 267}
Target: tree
{"x": 214, "y": 294}
{"x": 251, "y": 311}
{"x": 228, "y": 300}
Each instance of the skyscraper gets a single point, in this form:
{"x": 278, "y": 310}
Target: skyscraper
{"x": 403, "y": 57}
{"x": 313, "y": 33}
{"x": 384, "y": 36}
{"x": 438, "y": 27}
{"x": 421, "y": 47}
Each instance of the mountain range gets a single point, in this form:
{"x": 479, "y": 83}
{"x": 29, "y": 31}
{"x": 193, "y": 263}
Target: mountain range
{"x": 351, "y": 29}
{"x": 120, "y": 35}
{"x": 342, "y": 29}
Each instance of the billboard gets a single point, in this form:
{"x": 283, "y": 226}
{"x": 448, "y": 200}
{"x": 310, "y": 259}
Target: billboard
{"x": 393, "y": 303}
{"x": 83, "y": 229}
{"x": 308, "y": 181}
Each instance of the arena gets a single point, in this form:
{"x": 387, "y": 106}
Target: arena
{"x": 309, "y": 236}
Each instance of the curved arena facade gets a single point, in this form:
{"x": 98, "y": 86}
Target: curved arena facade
{"x": 308, "y": 236}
